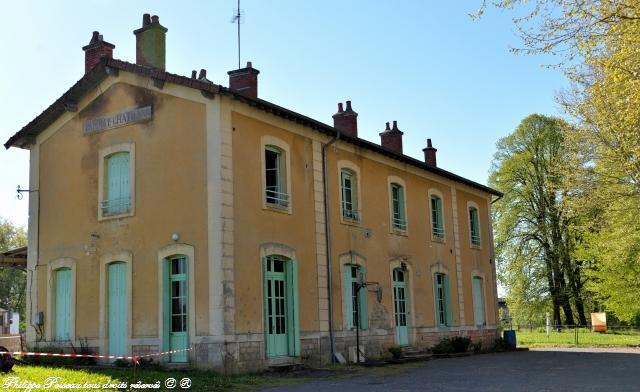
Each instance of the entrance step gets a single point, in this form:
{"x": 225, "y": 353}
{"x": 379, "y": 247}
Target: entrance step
{"x": 284, "y": 364}
{"x": 412, "y": 354}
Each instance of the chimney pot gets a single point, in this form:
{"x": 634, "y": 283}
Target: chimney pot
{"x": 392, "y": 138}
{"x": 203, "y": 74}
{"x": 194, "y": 73}
{"x": 245, "y": 80}
{"x": 349, "y": 106}
{"x": 430, "y": 154}
{"x": 346, "y": 121}
{"x": 96, "y": 50}
{"x": 150, "y": 43}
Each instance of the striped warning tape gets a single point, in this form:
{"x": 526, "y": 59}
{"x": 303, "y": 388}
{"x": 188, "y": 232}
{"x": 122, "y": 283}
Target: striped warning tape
{"x": 134, "y": 358}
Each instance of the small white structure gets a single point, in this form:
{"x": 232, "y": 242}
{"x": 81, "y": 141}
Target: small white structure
{"x": 9, "y": 322}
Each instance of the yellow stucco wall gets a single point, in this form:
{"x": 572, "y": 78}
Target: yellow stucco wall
{"x": 170, "y": 173}
{"x": 255, "y": 225}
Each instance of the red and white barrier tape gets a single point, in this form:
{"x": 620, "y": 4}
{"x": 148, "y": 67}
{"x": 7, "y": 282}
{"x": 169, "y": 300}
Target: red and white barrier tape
{"x": 134, "y": 358}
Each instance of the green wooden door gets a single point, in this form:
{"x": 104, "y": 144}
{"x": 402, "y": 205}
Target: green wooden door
{"x": 117, "y": 278}
{"x": 276, "y": 308}
{"x": 478, "y": 301}
{"x": 178, "y": 330}
{"x": 63, "y": 303}
{"x": 400, "y": 306}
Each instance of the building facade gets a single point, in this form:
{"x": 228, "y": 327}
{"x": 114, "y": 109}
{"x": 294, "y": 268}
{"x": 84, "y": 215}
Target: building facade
{"x": 171, "y": 212}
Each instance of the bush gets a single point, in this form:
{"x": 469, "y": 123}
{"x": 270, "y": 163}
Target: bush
{"x": 457, "y": 344}
{"x": 501, "y": 345}
{"x": 396, "y": 352}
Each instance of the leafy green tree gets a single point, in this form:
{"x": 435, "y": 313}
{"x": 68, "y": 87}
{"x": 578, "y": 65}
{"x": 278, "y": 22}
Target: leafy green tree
{"x": 596, "y": 44}
{"x": 534, "y": 236}
{"x": 12, "y": 281}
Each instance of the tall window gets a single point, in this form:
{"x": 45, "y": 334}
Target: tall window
{"x": 355, "y": 298}
{"x": 437, "y": 221}
{"x": 474, "y": 226}
{"x": 443, "y": 302}
{"x": 117, "y": 192}
{"x": 398, "y": 219}
{"x": 478, "y": 301}
{"x": 349, "y": 193}
{"x": 275, "y": 192}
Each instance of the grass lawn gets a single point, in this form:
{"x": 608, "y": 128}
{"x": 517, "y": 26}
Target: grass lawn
{"x": 200, "y": 380}
{"x": 566, "y": 338}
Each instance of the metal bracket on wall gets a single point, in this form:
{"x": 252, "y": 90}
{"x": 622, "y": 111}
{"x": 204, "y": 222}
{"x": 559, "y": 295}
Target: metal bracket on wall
{"x": 20, "y": 191}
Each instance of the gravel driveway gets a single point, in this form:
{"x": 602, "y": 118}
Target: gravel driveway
{"x": 536, "y": 370}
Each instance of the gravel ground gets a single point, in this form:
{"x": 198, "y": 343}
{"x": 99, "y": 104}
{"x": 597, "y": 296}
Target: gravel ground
{"x": 549, "y": 369}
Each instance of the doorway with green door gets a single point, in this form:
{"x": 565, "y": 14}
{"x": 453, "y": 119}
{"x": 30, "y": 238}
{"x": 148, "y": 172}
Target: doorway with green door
{"x": 175, "y": 307}
{"x": 117, "y": 308}
{"x": 281, "y": 319}
{"x": 401, "y": 305}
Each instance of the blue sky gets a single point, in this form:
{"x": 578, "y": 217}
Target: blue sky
{"x": 425, "y": 64}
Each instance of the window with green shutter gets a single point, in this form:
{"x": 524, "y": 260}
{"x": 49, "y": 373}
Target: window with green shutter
{"x": 349, "y": 195}
{"x": 437, "y": 221}
{"x": 443, "y": 301}
{"x": 117, "y": 192}
{"x": 355, "y": 299}
{"x": 474, "y": 226}
{"x": 275, "y": 186}
{"x": 398, "y": 219}
{"x": 478, "y": 301}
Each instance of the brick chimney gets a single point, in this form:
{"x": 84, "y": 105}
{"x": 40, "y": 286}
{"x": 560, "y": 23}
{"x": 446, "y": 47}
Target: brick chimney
{"x": 96, "y": 50}
{"x": 392, "y": 138}
{"x": 245, "y": 80}
{"x": 346, "y": 121}
{"x": 430, "y": 154}
{"x": 150, "y": 42}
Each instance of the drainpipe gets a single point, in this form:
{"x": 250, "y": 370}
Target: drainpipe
{"x": 327, "y": 234}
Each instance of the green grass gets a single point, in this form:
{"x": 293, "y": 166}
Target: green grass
{"x": 586, "y": 338}
{"x": 201, "y": 380}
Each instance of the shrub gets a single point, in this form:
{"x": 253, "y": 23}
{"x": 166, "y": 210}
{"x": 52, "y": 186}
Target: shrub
{"x": 396, "y": 352}
{"x": 457, "y": 344}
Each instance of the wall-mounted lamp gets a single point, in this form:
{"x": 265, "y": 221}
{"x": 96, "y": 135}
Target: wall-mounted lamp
{"x": 175, "y": 236}
{"x": 403, "y": 266}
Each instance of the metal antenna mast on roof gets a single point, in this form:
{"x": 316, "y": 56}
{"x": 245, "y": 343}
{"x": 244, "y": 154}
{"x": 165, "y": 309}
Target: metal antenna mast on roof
{"x": 238, "y": 18}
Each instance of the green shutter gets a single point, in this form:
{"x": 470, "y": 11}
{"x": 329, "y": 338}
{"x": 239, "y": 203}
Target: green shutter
{"x": 265, "y": 306}
{"x": 292, "y": 308}
{"x": 166, "y": 305}
{"x": 447, "y": 299}
{"x": 346, "y": 294}
{"x": 118, "y": 189}
{"x": 63, "y": 303}
{"x": 478, "y": 301}
{"x": 401, "y": 205}
{"x": 362, "y": 295}
{"x": 435, "y": 299}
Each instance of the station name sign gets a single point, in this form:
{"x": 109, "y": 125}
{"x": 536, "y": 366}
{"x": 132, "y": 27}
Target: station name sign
{"x": 95, "y": 125}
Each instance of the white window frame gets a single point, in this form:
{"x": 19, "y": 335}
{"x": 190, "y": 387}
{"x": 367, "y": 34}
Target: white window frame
{"x": 471, "y": 205}
{"x": 399, "y": 181}
{"x": 357, "y": 201}
{"x": 267, "y": 141}
{"x": 437, "y": 193}
{"x": 102, "y": 172}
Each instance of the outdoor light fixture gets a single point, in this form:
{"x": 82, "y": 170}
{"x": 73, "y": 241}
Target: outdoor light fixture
{"x": 175, "y": 236}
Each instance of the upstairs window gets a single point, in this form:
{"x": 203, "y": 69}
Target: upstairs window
{"x": 437, "y": 221}
{"x": 398, "y": 219}
{"x": 349, "y": 193}
{"x": 117, "y": 185}
{"x": 474, "y": 226}
{"x": 275, "y": 185}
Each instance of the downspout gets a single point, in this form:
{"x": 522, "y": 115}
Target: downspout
{"x": 327, "y": 234}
